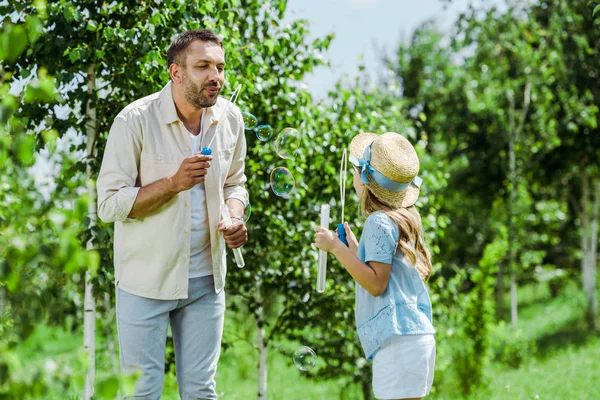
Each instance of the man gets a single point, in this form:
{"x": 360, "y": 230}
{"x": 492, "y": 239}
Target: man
{"x": 165, "y": 198}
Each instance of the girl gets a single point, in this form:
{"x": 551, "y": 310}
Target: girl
{"x": 390, "y": 266}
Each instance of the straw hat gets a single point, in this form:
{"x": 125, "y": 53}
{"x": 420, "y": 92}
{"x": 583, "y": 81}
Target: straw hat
{"x": 393, "y": 163}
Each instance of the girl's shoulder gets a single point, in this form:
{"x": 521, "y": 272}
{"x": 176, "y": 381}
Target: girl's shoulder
{"x": 380, "y": 220}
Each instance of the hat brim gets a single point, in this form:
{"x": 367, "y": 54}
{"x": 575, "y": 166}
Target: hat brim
{"x": 360, "y": 142}
{"x": 411, "y": 196}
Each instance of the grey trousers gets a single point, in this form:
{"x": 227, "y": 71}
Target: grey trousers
{"x": 197, "y": 327}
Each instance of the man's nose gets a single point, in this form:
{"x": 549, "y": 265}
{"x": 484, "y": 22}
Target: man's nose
{"x": 214, "y": 74}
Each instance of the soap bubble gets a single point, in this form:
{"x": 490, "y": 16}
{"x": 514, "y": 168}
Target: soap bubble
{"x": 264, "y": 132}
{"x": 305, "y": 358}
{"x": 250, "y": 121}
{"x": 247, "y": 212}
{"x": 282, "y": 182}
{"x": 287, "y": 143}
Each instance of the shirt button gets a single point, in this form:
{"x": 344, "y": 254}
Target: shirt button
{"x": 187, "y": 148}
{"x": 158, "y": 157}
{"x": 187, "y": 230}
{"x": 187, "y": 203}
{"x": 185, "y": 256}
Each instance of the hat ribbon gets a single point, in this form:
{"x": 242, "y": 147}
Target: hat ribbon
{"x": 380, "y": 179}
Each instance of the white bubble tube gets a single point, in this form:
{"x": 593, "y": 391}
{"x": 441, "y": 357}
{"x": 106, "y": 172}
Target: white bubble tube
{"x": 322, "y": 270}
{"x": 237, "y": 253}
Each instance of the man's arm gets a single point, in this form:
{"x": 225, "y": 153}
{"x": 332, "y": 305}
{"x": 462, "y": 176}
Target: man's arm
{"x": 118, "y": 197}
{"x": 191, "y": 172}
{"x": 118, "y": 173}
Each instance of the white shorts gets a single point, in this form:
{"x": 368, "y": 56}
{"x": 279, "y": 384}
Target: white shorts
{"x": 403, "y": 367}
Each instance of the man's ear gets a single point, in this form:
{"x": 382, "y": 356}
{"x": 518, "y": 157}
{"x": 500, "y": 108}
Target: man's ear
{"x": 175, "y": 71}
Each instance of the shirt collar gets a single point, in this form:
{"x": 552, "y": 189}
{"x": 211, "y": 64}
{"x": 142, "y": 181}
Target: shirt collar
{"x": 169, "y": 112}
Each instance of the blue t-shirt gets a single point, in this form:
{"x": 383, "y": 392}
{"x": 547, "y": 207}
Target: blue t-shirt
{"x": 405, "y": 307}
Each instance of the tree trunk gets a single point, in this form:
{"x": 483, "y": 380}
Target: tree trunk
{"x": 262, "y": 354}
{"x": 262, "y": 343}
{"x": 89, "y": 304}
{"x": 262, "y": 364}
{"x": 589, "y": 245}
{"x": 512, "y": 201}
{"x": 513, "y": 136}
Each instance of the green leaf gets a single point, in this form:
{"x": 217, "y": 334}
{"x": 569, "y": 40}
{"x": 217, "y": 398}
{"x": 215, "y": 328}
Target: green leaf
{"x": 74, "y": 55}
{"x": 596, "y": 9}
{"x": 35, "y": 28}
{"x": 107, "y": 388}
{"x": 93, "y": 261}
{"x": 13, "y": 41}
{"x": 92, "y": 25}
{"x": 26, "y": 149}
{"x": 41, "y": 90}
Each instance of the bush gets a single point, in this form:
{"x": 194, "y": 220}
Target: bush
{"x": 510, "y": 347}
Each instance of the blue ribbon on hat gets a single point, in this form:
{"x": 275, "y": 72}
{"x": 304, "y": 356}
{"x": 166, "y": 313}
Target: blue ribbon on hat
{"x": 380, "y": 179}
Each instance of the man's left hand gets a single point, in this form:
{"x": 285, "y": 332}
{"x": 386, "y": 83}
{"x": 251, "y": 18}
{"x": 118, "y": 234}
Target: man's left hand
{"x": 235, "y": 235}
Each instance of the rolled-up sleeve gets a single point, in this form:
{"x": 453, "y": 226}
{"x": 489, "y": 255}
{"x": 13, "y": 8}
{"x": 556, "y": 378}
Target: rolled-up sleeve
{"x": 236, "y": 178}
{"x": 116, "y": 183}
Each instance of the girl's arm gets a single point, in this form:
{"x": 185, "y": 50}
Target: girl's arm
{"x": 373, "y": 276}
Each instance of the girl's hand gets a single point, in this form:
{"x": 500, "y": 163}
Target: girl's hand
{"x": 325, "y": 239}
{"x": 351, "y": 238}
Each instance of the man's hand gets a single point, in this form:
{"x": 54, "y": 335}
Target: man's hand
{"x": 191, "y": 172}
{"x": 235, "y": 235}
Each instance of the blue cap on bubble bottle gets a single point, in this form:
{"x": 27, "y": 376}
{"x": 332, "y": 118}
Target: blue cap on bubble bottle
{"x": 342, "y": 234}
{"x": 206, "y": 151}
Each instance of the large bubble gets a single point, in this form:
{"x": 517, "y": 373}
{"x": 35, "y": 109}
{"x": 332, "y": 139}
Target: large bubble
{"x": 282, "y": 182}
{"x": 287, "y": 143}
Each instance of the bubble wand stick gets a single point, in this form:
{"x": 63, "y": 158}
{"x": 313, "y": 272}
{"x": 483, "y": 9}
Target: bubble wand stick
{"x": 322, "y": 269}
{"x": 341, "y": 231}
{"x": 237, "y": 253}
{"x": 206, "y": 150}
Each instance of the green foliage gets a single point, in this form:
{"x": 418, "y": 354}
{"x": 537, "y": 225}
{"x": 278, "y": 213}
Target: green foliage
{"x": 38, "y": 232}
{"x": 509, "y": 347}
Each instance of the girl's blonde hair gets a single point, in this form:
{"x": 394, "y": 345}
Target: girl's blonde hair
{"x": 411, "y": 230}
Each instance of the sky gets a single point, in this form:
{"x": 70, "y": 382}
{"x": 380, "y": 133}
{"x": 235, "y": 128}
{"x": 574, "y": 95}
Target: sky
{"x": 367, "y": 28}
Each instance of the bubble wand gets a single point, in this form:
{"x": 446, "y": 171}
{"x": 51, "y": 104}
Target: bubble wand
{"x": 341, "y": 231}
{"x": 206, "y": 150}
{"x": 322, "y": 269}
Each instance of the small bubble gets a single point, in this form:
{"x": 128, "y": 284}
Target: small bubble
{"x": 250, "y": 121}
{"x": 305, "y": 358}
{"x": 264, "y": 132}
{"x": 247, "y": 212}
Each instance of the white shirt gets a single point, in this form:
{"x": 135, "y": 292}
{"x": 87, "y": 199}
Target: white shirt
{"x": 148, "y": 142}
{"x": 200, "y": 242}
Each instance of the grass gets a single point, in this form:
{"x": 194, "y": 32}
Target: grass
{"x": 563, "y": 363}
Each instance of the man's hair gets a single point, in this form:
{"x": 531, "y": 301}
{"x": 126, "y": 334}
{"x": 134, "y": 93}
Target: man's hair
{"x": 178, "y": 49}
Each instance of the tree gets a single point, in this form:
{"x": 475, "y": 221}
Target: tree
{"x": 39, "y": 244}
{"x": 576, "y": 41}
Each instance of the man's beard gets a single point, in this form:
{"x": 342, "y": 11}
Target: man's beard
{"x": 193, "y": 93}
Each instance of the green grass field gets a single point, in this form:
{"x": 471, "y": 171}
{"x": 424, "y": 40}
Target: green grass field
{"x": 561, "y": 360}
